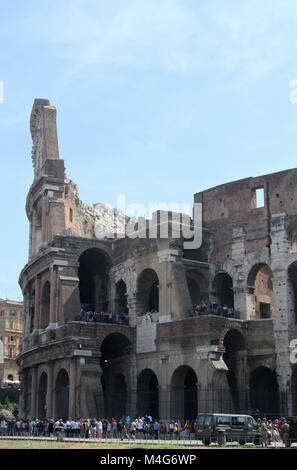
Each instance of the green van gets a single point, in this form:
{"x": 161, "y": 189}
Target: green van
{"x": 220, "y": 428}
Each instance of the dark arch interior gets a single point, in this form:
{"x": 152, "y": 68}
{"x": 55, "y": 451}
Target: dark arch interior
{"x": 223, "y": 289}
{"x": 42, "y": 396}
{"x": 184, "y": 403}
{"x": 121, "y": 297}
{"x": 195, "y": 283}
{"x": 93, "y": 271}
{"x": 264, "y": 392}
{"x": 148, "y": 291}
{"x": 148, "y": 394}
{"x": 62, "y": 395}
{"x": 114, "y": 349}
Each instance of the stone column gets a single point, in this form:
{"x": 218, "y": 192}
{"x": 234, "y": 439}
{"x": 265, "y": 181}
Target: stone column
{"x": 281, "y": 288}
{"x": 53, "y": 298}
{"x": 132, "y": 387}
{"x": 33, "y": 392}
{"x": 164, "y": 390}
{"x": 49, "y": 392}
{"x": 72, "y": 389}
{"x": 37, "y": 304}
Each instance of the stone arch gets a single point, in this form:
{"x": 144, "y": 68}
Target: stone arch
{"x": 94, "y": 280}
{"x": 115, "y": 349}
{"x": 45, "y": 305}
{"x": 41, "y": 394}
{"x": 264, "y": 391}
{"x": 292, "y": 274}
{"x": 148, "y": 291}
{"x": 148, "y": 393}
{"x": 260, "y": 287}
{"x": 183, "y": 393}
{"x": 62, "y": 395}
{"x": 222, "y": 289}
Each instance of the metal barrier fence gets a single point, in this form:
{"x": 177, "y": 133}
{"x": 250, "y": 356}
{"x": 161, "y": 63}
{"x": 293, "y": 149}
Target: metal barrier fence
{"x": 148, "y": 438}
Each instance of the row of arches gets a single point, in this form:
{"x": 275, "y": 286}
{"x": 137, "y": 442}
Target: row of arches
{"x": 182, "y": 397}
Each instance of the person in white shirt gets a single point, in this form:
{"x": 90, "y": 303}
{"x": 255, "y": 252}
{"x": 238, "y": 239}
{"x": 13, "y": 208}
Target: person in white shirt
{"x": 99, "y": 428}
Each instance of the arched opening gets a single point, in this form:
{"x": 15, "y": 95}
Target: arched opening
{"x": 115, "y": 349}
{"x": 292, "y": 272}
{"x": 148, "y": 394}
{"x": 62, "y": 395}
{"x": 148, "y": 291}
{"x": 42, "y": 396}
{"x": 183, "y": 397}
{"x": 261, "y": 291}
{"x": 93, "y": 273}
{"x": 45, "y": 305}
{"x": 196, "y": 286}
{"x": 121, "y": 297}
{"x": 234, "y": 343}
{"x": 222, "y": 289}
{"x": 264, "y": 392}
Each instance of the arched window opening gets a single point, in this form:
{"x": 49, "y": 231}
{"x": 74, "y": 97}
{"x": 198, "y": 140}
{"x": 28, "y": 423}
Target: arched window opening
{"x": 62, "y": 395}
{"x": 184, "y": 400}
{"x": 148, "y": 394}
{"x": 148, "y": 291}
{"x": 115, "y": 349}
{"x": 94, "y": 285}
{"x": 222, "y": 289}
{"x": 261, "y": 291}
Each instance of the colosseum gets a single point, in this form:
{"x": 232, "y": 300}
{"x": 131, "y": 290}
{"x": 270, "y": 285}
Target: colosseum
{"x": 117, "y": 325}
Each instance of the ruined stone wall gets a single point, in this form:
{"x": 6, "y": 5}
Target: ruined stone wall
{"x": 234, "y": 204}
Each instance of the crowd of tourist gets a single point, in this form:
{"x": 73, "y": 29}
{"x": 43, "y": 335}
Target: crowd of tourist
{"x": 124, "y": 428}
{"x": 103, "y": 317}
{"x": 145, "y": 427}
{"x": 208, "y": 308}
{"x": 273, "y": 431}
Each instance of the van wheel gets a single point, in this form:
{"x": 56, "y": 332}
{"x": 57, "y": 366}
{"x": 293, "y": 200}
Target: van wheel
{"x": 206, "y": 442}
{"x": 241, "y": 443}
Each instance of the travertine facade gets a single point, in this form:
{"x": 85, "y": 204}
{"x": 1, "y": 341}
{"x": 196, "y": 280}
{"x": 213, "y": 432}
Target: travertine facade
{"x": 168, "y": 363}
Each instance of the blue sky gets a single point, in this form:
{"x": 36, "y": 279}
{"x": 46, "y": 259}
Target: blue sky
{"x": 156, "y": 100}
